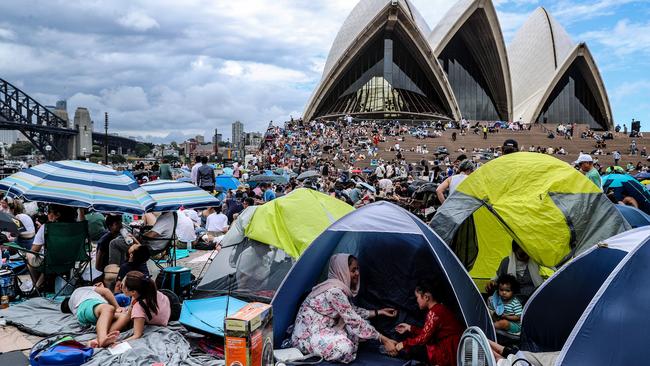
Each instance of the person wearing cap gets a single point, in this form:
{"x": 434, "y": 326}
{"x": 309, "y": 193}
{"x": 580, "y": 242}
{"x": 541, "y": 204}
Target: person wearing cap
{"x": 586, "y": 165}
{"x": 510, "y": 146}
{"x": 465, "y": 168}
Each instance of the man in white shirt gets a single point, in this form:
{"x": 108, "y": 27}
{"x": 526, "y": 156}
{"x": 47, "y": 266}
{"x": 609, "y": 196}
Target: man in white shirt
{"x": 217, "y": 222}
{"x": 380, "y": 171}
{"x": 194, "y": 175}
{"x": 185, "y": 228}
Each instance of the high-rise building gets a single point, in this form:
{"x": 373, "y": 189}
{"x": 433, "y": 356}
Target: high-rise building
{"x": 62, "y": 105}
{"x": 8, "y": 137}
{"x": 237, "y": 134}
{"x": 200, "y": 139}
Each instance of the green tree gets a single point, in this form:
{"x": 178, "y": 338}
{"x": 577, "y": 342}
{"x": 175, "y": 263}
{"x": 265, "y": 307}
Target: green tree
{"x": 143, "y": 149}
{"x": 118, "y": 159}
{"x": 171, "y": 158}
{"x": 20, "y": 148}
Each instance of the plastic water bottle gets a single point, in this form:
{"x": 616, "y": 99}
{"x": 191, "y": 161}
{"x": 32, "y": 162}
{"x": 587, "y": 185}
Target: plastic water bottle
{"x": 126, "y": 235}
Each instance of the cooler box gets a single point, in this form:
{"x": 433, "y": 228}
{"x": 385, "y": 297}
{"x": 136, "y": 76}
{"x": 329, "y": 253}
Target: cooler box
{"x": 177, "y": 279}
{"x": 249, "y": 336}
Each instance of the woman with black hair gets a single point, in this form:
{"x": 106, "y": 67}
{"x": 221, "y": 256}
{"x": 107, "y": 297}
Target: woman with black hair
{"x": 435, "y": 343}
{"x": 148, "y": 305}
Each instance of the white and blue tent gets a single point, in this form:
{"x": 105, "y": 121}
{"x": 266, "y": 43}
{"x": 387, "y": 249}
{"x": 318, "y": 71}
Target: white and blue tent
{"x": 593, "y": 311}
{"x": 395, "y": 249}
{"x": 635, "y": 217}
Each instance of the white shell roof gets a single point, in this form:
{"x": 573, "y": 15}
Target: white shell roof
{"x": 447, "y": 24}
{"x": 362, "y": 14}
{"x": 542, "y": 45}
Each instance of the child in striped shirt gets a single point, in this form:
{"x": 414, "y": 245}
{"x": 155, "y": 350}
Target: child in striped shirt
{"x": 505, "y": 306}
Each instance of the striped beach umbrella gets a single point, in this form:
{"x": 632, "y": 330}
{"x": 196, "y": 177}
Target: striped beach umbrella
{"x": 170, "y": 195}
{"x": 79, "y": 184}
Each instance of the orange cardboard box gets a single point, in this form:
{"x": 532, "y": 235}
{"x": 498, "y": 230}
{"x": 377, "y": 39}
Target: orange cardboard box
{"x": 249, "y": 336}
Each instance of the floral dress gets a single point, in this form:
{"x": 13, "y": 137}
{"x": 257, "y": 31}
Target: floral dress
{"x": 440, "y": 336}
{"x": 329, "y": 326}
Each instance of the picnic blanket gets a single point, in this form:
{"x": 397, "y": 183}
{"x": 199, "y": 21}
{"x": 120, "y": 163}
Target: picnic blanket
{"x": 164, "y": 345}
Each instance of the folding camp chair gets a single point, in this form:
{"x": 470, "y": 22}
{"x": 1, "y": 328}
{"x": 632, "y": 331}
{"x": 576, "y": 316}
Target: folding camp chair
{"x": 67, "y": 252}
{"x": 168, "y": 253}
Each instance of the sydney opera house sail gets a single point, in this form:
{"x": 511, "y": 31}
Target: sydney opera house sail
{"x": 555, "y": 80}
{"x": 386, "y": 63}
{"x": 470, "y": 47}
{"x": 380, "y": 66}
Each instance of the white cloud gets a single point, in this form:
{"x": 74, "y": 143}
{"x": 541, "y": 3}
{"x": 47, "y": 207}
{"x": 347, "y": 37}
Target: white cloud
{"x": 175, "y": 68}
{"x": 138, "y": 21}
{"x": 572, "y": 11}
{"x": 126, "y": 98}
{"x": 625, "y": 39}
{"x": 634, "y": 88}
{"x": 256, "y": 72}
{"x": 7, "y": 34}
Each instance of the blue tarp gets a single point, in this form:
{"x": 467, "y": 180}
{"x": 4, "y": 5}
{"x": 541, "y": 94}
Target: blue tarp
{"x": 395, "y": 250}
{"x": 228, "y": 182}
{"x": 207, "y": 315}
{"x": 635, "y": 217}
{"x": 589, "y": 325}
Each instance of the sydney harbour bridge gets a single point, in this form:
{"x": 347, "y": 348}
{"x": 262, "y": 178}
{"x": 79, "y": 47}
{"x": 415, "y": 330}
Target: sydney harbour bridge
{"x": 53, "y": 136}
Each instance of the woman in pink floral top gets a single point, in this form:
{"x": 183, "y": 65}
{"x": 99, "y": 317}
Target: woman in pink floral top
{"x": 327, "y": 324}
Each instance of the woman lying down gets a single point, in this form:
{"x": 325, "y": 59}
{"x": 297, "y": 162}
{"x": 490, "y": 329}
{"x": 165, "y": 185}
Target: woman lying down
{"x": 328, "y": 325}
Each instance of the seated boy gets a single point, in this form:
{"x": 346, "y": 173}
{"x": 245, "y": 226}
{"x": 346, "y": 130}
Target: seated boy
{"x": 505, "y": 306}
{"x": 94, "y": 305}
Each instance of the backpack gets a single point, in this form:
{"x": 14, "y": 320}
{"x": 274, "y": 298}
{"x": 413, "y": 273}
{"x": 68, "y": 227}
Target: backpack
{"x": 174, "y": 304}
{"x": 60, "y": 350}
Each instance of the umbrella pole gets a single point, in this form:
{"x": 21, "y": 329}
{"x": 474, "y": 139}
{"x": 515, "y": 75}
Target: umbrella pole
{"x": 8, "y": 189}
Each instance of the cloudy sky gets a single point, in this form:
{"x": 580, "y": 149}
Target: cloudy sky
{"x": 168, "y": 69}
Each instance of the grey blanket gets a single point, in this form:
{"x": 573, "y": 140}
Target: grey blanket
{"x": 43, "y": 318}
{"x": 165, "y": 345}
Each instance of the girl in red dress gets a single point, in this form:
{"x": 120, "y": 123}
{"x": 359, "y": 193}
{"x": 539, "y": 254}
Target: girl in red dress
{"x": 441, "y": 333}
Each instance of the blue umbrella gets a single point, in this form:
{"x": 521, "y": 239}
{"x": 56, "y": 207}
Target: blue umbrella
{"x": 170, "y": 195}
{"x": 228, "y": 181}
{"x": 207, "y": 315}
{"x": 79, "y": 184}
{"x": 227, "y": 171}
{"x": 625, "y": 185}
{"x": 367, "y": 186}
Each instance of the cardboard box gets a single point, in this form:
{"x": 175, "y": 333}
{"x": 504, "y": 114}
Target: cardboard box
{"x": 249, "y": 336}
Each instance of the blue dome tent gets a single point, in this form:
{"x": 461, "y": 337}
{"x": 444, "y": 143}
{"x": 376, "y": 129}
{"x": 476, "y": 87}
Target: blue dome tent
{"x": 395, "y": 249}
{"x": 598, "y": 304}
{"x": 635, "y": 217}
{"x": 625, "y": 185}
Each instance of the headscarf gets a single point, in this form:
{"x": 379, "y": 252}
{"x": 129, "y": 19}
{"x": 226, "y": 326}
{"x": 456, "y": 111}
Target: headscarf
{"x": 338, "y": 276}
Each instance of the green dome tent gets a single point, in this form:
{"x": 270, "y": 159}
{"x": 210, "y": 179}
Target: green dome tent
{"x": 264, "y": 241}
{"x": 551, "y": 210}
{"x": 293, "y": 221}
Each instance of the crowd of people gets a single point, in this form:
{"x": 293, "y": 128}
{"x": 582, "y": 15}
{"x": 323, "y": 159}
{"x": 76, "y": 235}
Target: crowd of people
{"x": 336, "y": 153}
